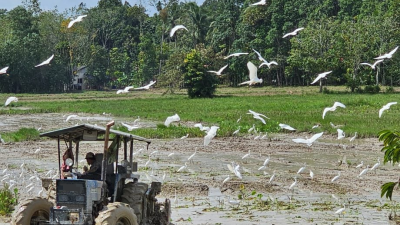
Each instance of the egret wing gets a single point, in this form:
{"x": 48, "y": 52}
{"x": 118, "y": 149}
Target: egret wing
{"x": 315, "y": 137}
{"x": 4, "y": 70}
{"x": 317, "y": 79}
{"x": 177, "y": 27}
{"x": 336, "y": 104}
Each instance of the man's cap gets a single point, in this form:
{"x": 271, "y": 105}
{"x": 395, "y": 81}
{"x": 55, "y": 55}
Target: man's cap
{"x": 89, "y": 155}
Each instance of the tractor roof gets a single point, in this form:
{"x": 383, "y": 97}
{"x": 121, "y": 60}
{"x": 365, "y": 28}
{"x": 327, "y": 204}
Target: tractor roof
{"x": 88, "y": 132}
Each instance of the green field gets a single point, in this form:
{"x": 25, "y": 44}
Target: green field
{"x": 300, "y": 108}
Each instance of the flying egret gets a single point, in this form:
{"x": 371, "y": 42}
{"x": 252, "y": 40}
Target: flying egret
{"x": 78, "y": 19}
{"x": 146, "y": 87}
{"x": 336, "y": 177}
{"x": 311, "y": 175}
{"x": 376, "y": 165}
{"x": 4, "y": 70}
{"x": 262, "y": 2}
{"x": 341, "y": 210}
{"x": 364, "y": 171}
{"x": 201, "y": 127}
{"x": 293, "y": 184}
{"x": 309, "y": 141}
{"x": 252, "y": 75}
{"x": 10, "y": 99}
{"x": 184, "y": 137}
{"x": 321, "y": 76}
{"x": 333, "y": 108}
{"x": 125, "y": 90}
{"x": 210, "y": 135}
{"x": 170, "y": 119}
{"x": 129, "y": 127}
{"x": 293, "y": 33}
{"x": 388, "y": 55}
{"x": 226, "y": 179}
{"x": 372, "y": 65}
{"x": 341, "y": 134}
{"x": 177, "y": 27}
{"x": 386, "y": 107}
{"x": 219, "y": 72}
{"x": 47, "y": 61}
{"x": 236, "y": 54}
{"x": 360, "y": 165}
{"x": 285, "y": 126}
{"x": 257, "y": 115}
{"x": 264, "y": 61}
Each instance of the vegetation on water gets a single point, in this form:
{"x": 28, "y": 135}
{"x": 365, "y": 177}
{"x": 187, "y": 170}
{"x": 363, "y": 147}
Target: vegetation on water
{"x": 8, "y": 199}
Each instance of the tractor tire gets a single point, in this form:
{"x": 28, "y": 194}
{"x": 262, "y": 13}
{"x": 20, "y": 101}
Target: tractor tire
{"x": 32, "y": 211}
{"x": 133, "y": 194}
{"x": 116, "y": 213}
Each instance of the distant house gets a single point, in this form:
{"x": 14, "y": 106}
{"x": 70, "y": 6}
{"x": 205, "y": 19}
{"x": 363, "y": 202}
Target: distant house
{"x": 78, "y": 82}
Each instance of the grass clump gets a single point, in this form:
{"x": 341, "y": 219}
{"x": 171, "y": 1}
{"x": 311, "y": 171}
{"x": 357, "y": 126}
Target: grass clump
{"x": 23, "y": 134}
{"x": 8, "y": 200}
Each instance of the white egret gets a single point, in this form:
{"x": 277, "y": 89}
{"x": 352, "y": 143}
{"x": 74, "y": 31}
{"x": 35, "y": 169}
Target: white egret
{"x": 37, "y": 150}
{"x": 309, "y": 141}
{"x": 201, "y": 127}
{"x": 376, "y": 165}
{"x": 262, "y": 168}
{"x": 226, "y": 179}
{"x": 184, "y": 137}
{"x": 302, "y": 169}
{"x": 136, "y": 120}
{"x": 237, "y": 172}
{"x": 2, "y": 141}
{"x": 293, "y": 184}
{"x": 125, "y": 90}
{"x": 262, "y": 2}
{"x": 146, "y": 87}
{"x": 236, "y": 54}
{"x": 4, "y": 70}
{"x": 177, "y": 27}
{"x": 341, "y": 134}
{"x": 267, "y": 160}
{"x": 191, "y": 156}
{"x": 70, "y": 117}
{"x": 336, "y": 177}
{"x": 236, "y": 131}
{"x": 315, "y": 126}
{"x": 272, "y": 177}
{"x": 264, "y": 61}
{"x": 364, "y": 171}
{"x": 219, "y": 72}
{"x": 360, "y": 165}
{"x": 234, "y": 202}
{"x": 170, "y": 119}
{"x": 341, "y": 210}
{"x": 129, "y": 127}
{"x": 10, "y": 99}
{"x": 171, "y": 154}
{"x": 372, "y": 65}
{"x": 78, "y": 19}
{"x": 252, "y": 75}
{"x": 47, "y": 61}
{"x": 182, "y": 168}
{"x": 293, "y": 33}
{"x": 321, "y": 76}
{"x": 388, "y": 55}
{"x": 335, "y": 126}
{"x": 285, "y": 126}
{"x": 210, "y": 135}
{"x": 311, "y": 175}
{"x": 247, "y": 155}
{"x": 238, "y": 120}
{"x": 231, "y": 167}
{"x": 354, "y": 137}
{"x": 386, "y": 107}
{"x": 333, "y": 108}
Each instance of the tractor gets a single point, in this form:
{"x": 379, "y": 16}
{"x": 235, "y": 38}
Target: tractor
{"x": 115, "y": 197}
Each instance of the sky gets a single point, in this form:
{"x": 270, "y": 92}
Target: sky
{"x": 62, "y": 5}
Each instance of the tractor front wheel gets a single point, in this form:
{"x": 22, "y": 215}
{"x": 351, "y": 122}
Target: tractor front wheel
{"x": 32, "y": 211}
{"x": 117, "y": 213}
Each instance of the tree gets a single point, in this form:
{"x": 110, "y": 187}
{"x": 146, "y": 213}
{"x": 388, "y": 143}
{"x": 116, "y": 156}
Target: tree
{"x": 199, "y": 82}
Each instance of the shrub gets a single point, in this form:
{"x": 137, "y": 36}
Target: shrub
{"x": 8, "y": 200}
{"x": 372, "y": 89}
{"x": 390, "y": 89}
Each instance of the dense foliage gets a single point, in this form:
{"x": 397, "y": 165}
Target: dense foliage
{"x": 122, "y": 45}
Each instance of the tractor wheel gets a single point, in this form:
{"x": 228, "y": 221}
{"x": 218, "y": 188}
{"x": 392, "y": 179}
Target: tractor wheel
{"x": 133, "y": 194}
{"x": 32, "y": 211}
{"x": 116, "y": 213}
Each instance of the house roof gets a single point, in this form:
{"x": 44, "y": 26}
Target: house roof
{"x": 78, "y": 133}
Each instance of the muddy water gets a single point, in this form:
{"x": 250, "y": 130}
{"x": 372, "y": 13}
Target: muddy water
{"x": 201, "y": 196}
